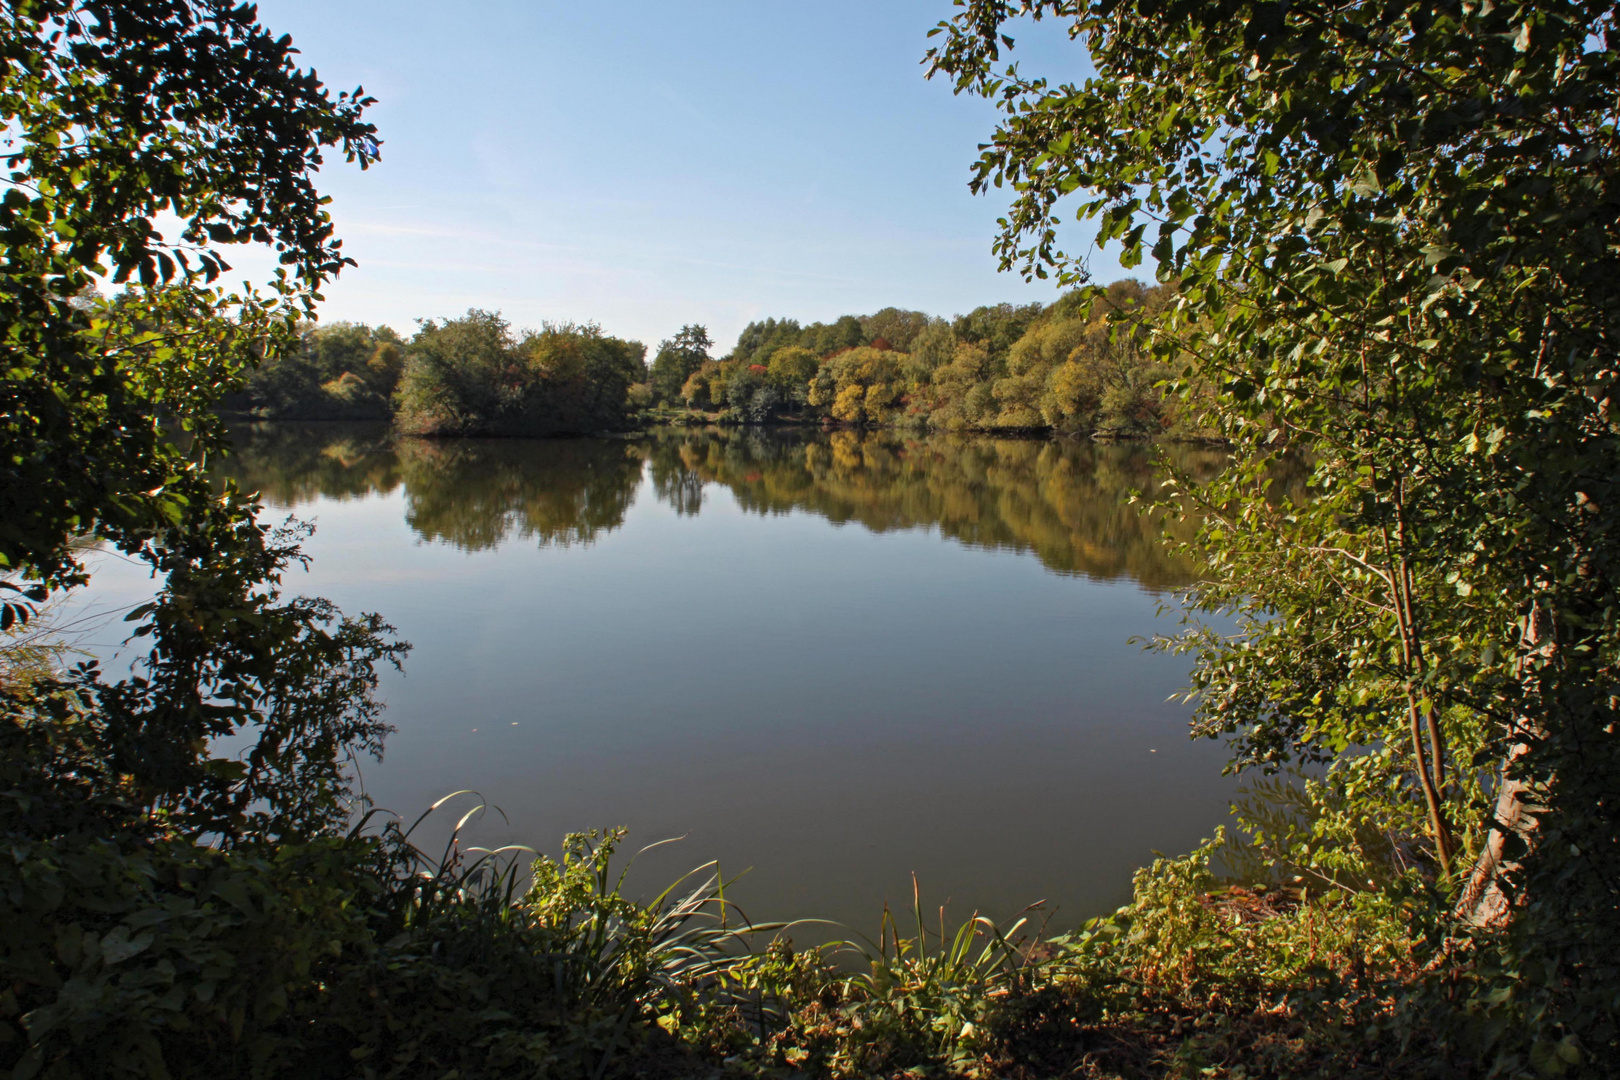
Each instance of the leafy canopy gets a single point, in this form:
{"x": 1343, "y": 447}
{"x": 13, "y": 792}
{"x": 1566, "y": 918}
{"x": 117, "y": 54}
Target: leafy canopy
{"x": 1395, "y": 233}
{"x": 118, "y": 115}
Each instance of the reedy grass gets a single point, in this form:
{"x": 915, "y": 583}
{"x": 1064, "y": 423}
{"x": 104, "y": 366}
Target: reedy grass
{"x": 943, "y": 989}
{"x": 596, "y": 952}
{"x": 1184, "y": 981}
{"x": 691, "y": 962}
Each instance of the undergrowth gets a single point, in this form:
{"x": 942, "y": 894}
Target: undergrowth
{"x": 1192, "y": 979}
{"x": 501, "y": 967}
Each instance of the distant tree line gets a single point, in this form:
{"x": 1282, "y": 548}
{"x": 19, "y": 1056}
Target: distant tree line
{"x": 1073, "y": 366}
{"x": 467, "y": 376}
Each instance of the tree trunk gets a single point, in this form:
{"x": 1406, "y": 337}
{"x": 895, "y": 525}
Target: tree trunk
{"x": 1483, "y": 901}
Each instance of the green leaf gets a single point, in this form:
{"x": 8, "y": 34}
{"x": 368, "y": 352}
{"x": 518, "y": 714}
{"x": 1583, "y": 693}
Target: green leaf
{"x": 117, "y": 946}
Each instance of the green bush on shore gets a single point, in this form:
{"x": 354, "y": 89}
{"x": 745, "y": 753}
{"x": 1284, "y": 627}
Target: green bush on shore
{"x": 471, "y": 376}
{"x": 464, "y": 376}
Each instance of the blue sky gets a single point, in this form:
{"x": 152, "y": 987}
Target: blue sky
{"x": 644, "y": 165}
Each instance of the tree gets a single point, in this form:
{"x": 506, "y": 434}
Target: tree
{"x": 791, "y": 370}
{"x": 861, "y": 386}
{"x": 899, "y": 328}
{"x": 1396, "y": 237}
{"x": 677, "y": 359}
{"x": 931, "y": 349}
{"x": 584, "y": 376}
{"x": 996, "y": 326}
{"x": 120, "y": 113}
{"x": 120, "y": 797}
{"x": 460, "y": 376}
{"x": 339, "y": 371}
{"x": 845, "y": 332}
{"x": 472, "y": 376}
{"x": 758, "y": 339}
{"x": 706, "y": 387}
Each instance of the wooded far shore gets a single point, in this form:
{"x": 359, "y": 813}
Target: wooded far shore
{"x": 1076, "y": 366}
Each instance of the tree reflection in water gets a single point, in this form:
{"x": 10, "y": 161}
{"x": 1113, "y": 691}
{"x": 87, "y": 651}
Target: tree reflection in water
{"x": 478, "y": 493}
{"x": 1065, "y": 501}
{"x": 290, "y": 464}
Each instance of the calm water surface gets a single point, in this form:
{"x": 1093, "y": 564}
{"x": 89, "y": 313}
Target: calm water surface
{"x": 832, "y": 660}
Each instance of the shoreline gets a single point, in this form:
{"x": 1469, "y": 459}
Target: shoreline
{"x": 700, "y": 421}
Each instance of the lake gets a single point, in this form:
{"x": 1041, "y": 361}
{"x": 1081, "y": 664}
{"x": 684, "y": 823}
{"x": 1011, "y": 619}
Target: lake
{"x": 830, "y": 659}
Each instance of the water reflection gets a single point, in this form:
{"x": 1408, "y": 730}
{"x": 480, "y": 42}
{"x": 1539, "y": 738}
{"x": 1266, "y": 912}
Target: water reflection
{"x": 674, "y": 632}
{"x": 290, "y": 464}
{"x": 1065, "y": 501}
{"x": 478, "y": 494}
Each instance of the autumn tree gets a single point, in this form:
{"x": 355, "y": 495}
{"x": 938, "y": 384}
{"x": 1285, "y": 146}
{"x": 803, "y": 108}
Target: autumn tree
{"x": 676, "y": 360}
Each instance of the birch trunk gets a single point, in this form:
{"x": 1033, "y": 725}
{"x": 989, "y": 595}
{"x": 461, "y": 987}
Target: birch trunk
{"x": 1483, "y": 901}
